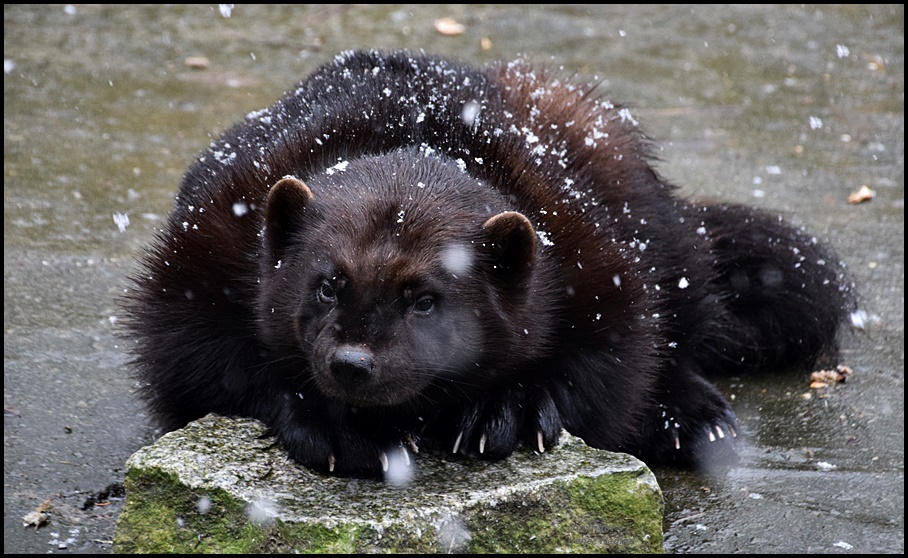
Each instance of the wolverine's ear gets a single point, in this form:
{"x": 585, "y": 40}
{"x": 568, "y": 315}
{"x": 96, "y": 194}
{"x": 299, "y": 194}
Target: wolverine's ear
{"x": 512, "y": 247}
{"x": 287, "y": 200}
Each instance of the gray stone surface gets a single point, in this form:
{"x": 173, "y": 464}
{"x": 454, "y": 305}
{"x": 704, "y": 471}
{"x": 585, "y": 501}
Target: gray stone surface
{"x": 219, "y": 486}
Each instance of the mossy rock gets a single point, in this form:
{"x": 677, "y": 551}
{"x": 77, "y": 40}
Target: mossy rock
{"x": 218, "y": 485}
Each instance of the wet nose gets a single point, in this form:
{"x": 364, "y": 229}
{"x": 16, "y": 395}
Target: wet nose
{"x": 352, "y": 366}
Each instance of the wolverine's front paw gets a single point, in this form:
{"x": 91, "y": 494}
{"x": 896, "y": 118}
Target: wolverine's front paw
{"x": 347, "y": 451}
{"x": 492, "y": 428}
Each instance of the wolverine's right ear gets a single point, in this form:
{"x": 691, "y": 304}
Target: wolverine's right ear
{"x": 284, "y": 208}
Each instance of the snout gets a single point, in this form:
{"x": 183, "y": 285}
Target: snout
{"x": 361, "y": 375}
{"x": 352, "y": 366}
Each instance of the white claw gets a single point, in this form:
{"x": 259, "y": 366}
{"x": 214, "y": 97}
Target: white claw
{"x": 404, "y": 455}
{"x": 732, "y": 431}
{"x": 677, "y": 443}
{"x": 457, "y": 442}
{"x": 482, "y": 443}
{"x": 384, "y": 461}
{"x": 412, "y": 443}
{"x": 712, "y": 437}
{"x": 331, "y": 462}
{"x": 719, "y": 432}
{"x": 539, "y": 443}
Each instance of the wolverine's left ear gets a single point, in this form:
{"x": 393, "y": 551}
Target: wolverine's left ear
{"x": 284, "y": 210}
{"x": 512, "y": 247}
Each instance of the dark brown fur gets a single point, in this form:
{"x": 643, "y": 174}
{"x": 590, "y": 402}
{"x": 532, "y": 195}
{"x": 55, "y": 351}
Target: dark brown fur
{"x": 405, "y": 246}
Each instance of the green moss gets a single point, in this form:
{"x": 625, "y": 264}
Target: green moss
{"x": 161, "y": 515}
{"x": 621, "y": 506}
{"x": 314, "y": 538}
{"x": 584, "y": 515}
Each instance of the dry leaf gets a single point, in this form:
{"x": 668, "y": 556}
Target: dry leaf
{"x": 196, "y": 62}
{"x": 862, "y": 195}
{"x": 824, "y": 378}
{"x": 38, "y": 517}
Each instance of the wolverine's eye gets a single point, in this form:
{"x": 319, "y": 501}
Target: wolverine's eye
{"x": 326, "y": 293}
{"x": 424, "y": 305}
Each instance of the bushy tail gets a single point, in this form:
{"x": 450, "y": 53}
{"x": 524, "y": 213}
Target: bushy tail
{"x": 785, "y": 295}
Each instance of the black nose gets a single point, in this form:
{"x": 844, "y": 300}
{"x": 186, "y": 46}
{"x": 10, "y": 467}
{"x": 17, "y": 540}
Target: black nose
{"x": 352, "y": 366}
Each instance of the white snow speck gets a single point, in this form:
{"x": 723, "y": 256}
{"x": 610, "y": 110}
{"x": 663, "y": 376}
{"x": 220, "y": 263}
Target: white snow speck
{"x": 469, "y": 112}
{"x": 240, "y": 209}
{"x": 223, "y": 157}
{"x": 842, "y": 51}
{"x": 121, "y": 220}
{"x": 625, "y": 114}
{"x": 843, "y": 544}
{"x": 531, "y": 137}
{"x": 759, "y": 193}
{"x": 544, "y": 237}
{"x": 340, "y": 167}
{"x": 683, "y": 283}
{"x": 825, "y": 466}
{"x": 773, "y": 169}
{"x": 616, "y": 279}
{"x": 815, "y": 123}
{"x": 456, "y": 258}
{"x": 261, "y": 115}
{"x": 261, "y": 512}
{"x": 226, "y": 9}
{"x": 859, "y": 319}
{"x": 399, "y": 471}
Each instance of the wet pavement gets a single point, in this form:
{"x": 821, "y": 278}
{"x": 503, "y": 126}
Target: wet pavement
{"x": 788, "y": 108}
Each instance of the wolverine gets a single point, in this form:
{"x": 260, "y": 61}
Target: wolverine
{"x": 405, "y": 248}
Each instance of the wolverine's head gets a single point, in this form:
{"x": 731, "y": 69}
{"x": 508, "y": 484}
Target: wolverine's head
{"x": 392, "y": 274}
